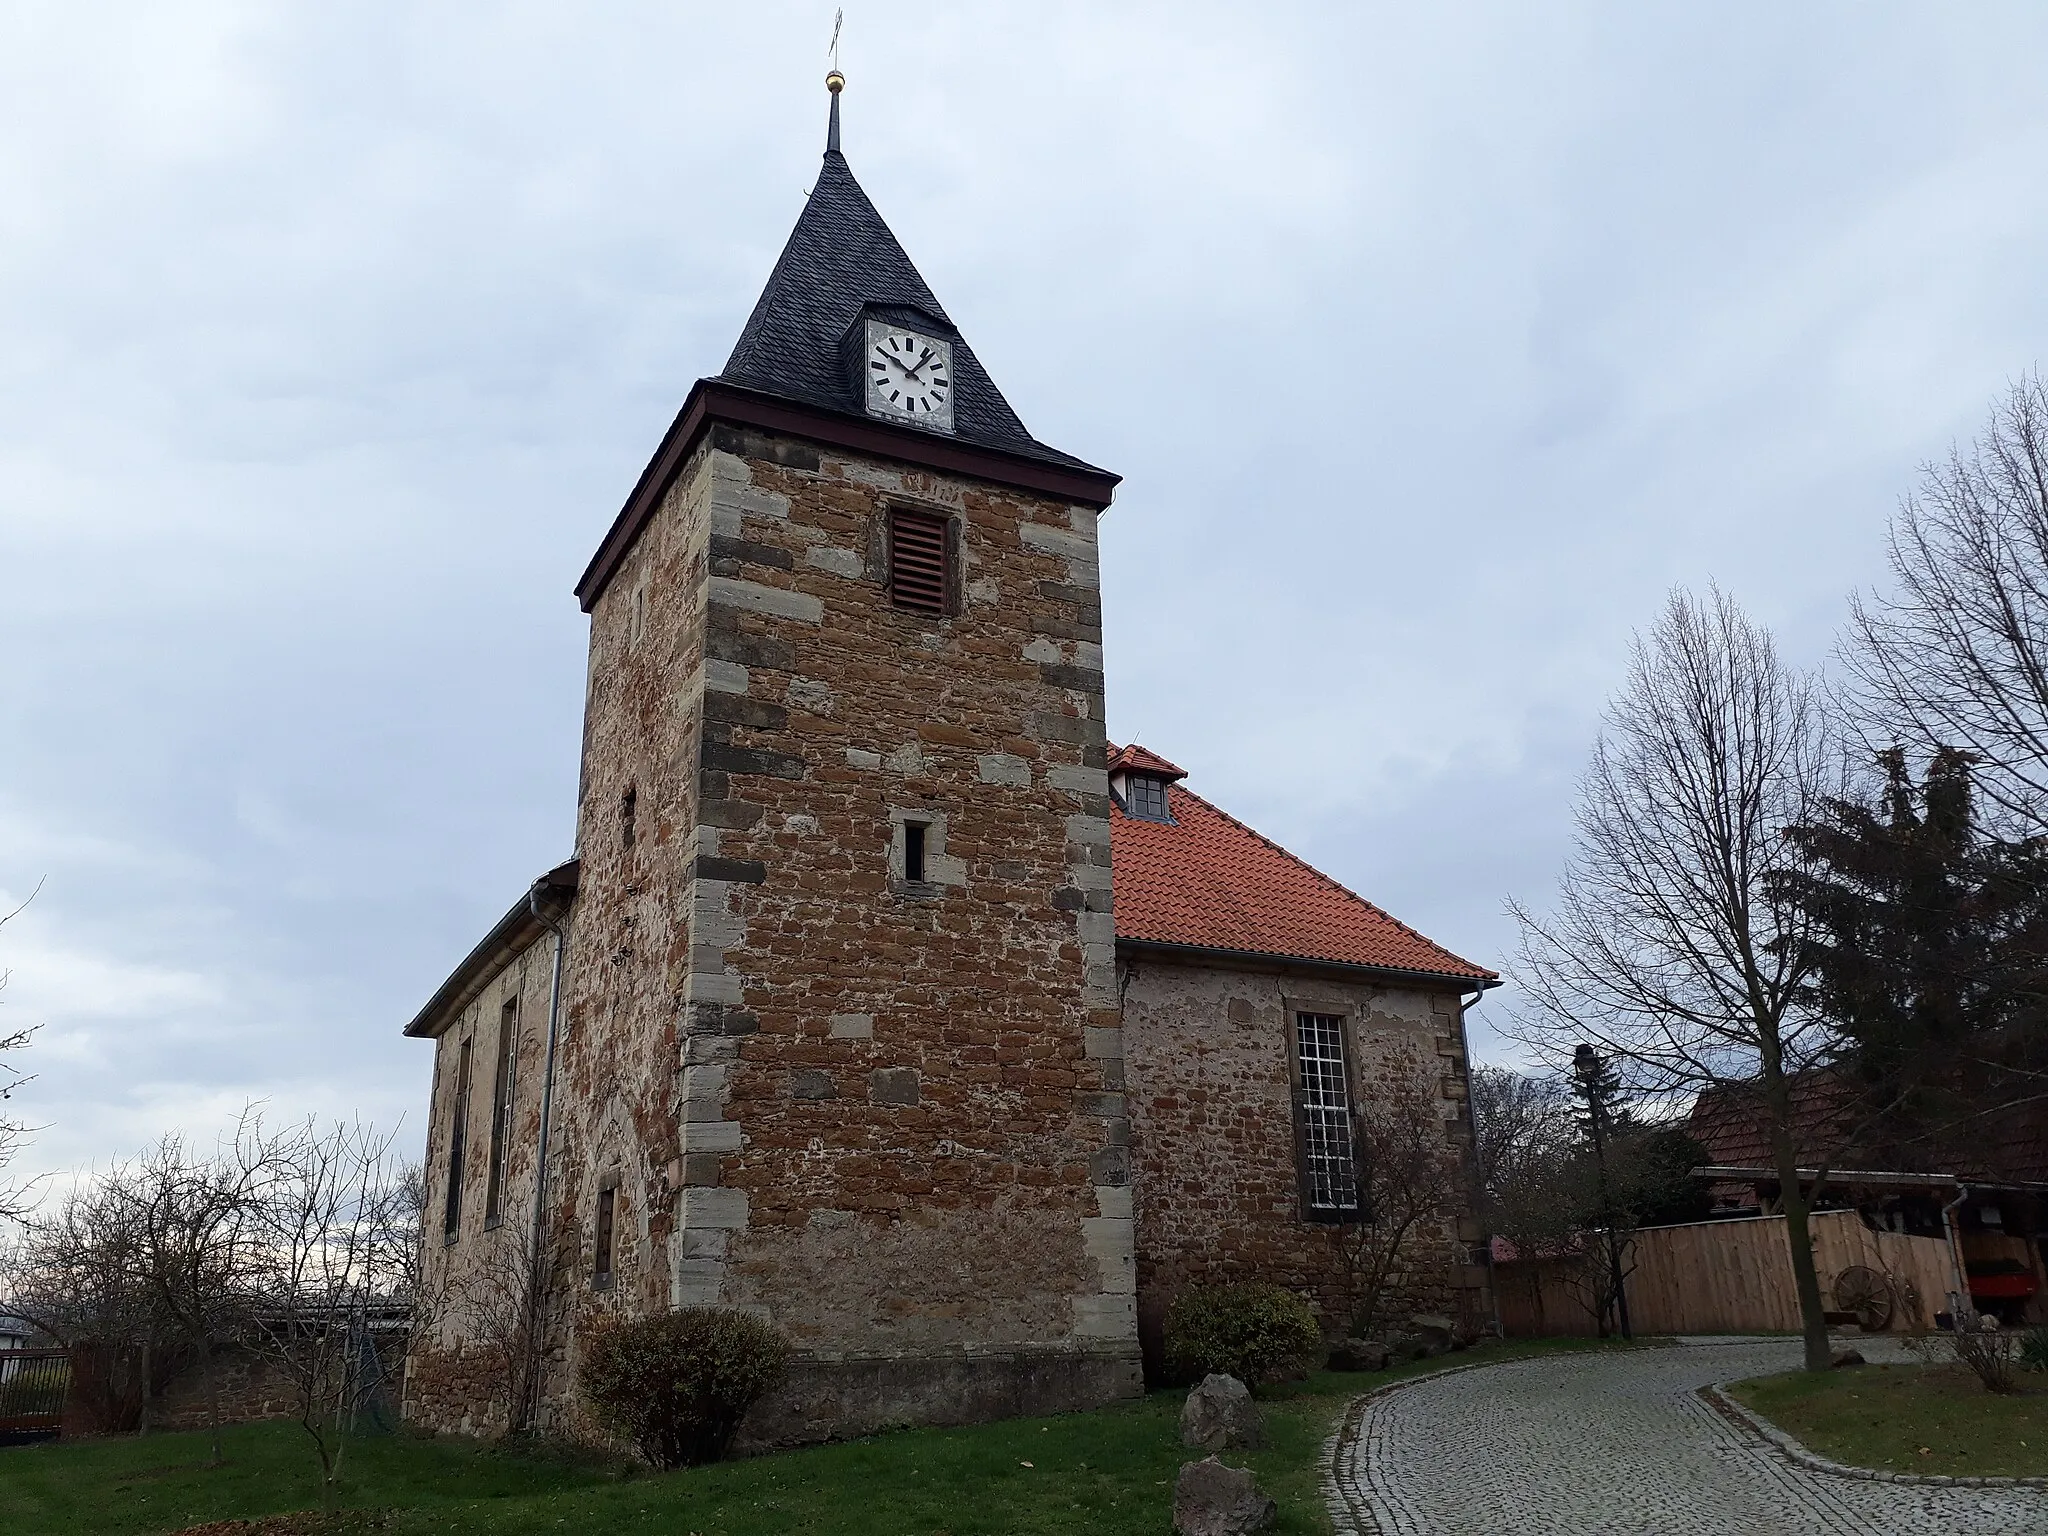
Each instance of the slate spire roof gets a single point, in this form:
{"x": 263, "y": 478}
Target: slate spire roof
{"x": 840, "y": 258}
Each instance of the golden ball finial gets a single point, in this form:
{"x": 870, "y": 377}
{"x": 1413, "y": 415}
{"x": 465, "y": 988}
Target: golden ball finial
{"x": 835, "y": 82}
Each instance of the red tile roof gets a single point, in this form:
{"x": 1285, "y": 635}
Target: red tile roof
{"x": 1208, "y": 881}
{"x": 2005, "y": 1144}
{"x": 1122, "y": 759}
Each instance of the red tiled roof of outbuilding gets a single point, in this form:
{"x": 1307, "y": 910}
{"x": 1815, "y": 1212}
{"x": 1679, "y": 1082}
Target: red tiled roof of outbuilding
{"x": 1208, "y": 881}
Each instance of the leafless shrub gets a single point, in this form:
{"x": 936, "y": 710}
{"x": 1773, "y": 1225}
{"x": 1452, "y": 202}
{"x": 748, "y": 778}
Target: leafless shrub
{"x": 1410, "y": 1179}
{"x": 509, "y": 1308}
{"x": 1987, "y": 1350}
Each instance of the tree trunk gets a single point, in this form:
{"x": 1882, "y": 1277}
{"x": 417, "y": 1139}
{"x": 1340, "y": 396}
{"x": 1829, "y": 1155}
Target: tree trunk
{"x": 212, "y": 1394}
{"x": 1813, "y": 1318}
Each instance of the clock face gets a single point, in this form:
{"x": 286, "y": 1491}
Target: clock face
{"x": 909, "y": 377}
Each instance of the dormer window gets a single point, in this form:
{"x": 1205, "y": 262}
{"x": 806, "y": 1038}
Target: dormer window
{"x": 1145, "y": 797}
{"x": 1139, "y": 781}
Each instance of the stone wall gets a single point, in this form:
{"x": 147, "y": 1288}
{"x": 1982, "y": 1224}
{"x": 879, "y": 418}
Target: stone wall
{"x": 913, "y": 1088}
{"x": 249, "y": 1386}
{"x": 1208, "y": 1051}
{"x": 447, "y": 1387}
{"x": 886, "y": 1114}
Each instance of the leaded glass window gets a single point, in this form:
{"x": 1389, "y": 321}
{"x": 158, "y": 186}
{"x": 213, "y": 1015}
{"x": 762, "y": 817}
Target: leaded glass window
{"x": 1329, "y": 1154}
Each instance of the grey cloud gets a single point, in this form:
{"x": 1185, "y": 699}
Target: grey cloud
{"x": 1434, "y": 344}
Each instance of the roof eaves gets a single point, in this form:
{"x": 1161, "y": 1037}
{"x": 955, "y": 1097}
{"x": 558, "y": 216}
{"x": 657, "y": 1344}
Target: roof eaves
{"x": 1465, "y": 981}
{"x": 508, "y": 938}
{"x": 719, "y": 401}
{"x": 1901, "y": 1180}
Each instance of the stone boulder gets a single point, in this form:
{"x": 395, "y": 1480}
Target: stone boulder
{"x": 1403, "y": 1347}
{"x": 1211, "y": 1499}
{"x": 1360, "y": 1355}
{"x": 1844, "y": 1358}
{"x": 1438, "y": 1334}
{"x": 1220, "y": 1415}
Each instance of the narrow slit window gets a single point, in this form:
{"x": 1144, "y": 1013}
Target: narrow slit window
{"x": 629, "y": 807}
{"x": 919, "y": 560}
{"x": 1329, "y": 1171}
{"x": 501, "y": 1109}
{"x": 458, "y": 1142}
{"x": 913, "y": 850}
{"x": 601, "y": 1266}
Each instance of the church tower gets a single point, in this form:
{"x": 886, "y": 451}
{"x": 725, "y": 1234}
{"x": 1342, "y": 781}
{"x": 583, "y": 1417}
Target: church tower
{"x": 840, "y": 1042}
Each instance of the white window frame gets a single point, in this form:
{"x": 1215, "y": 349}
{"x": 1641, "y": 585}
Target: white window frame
{"x": 1329, "y": 1146}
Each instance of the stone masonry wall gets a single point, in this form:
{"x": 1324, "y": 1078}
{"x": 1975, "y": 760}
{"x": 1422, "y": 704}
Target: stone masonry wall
{"x": 885, "y": 1114}
{"x": 247, "y": 1386}
{"x": 904, "y": 1126}
{"x": 450, "y": 1382}
{"x": 1217, "y": 1190}
{"x": 615, "y": 1112}
{"x": 618, "y": 1080}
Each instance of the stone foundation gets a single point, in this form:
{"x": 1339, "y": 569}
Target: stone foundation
{"x": 839, "y": 1398}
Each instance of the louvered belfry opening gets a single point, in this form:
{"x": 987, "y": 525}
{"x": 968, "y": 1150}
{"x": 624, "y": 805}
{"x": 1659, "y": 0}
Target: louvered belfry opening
{"x": 917, "y": 560}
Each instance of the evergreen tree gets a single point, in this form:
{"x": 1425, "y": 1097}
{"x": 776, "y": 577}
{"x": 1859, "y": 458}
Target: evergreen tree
{"x": 1926, "y": 950}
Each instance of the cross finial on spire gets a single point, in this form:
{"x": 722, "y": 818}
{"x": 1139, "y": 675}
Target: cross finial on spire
{"x": 835, "y": 82}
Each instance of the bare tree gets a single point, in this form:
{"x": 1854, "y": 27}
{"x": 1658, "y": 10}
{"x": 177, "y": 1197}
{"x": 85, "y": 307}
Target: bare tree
{"x": 1668, "y": 948}
{"x": 14, "y": 1198}
{"x": 1956, "y": 655}
{"x": 331, "y": 1248}
{"x": 1526, "y": 1168}
{"x": 1410, "y": 1179}
{"x": 195, "y": 1220}
{"x": 1522, "y": 1128}
{"x": 78, "y": 1274}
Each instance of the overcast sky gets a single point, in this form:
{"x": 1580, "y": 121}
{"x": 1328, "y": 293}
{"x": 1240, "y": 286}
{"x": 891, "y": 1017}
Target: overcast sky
{"x": 1434, "y": 342}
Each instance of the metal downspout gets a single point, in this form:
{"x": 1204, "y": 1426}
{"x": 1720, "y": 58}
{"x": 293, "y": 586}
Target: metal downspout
{"x": 1475, "y": 1194}
{"x": 547, "y": 1081}
{"x": 1958, "y": 1299}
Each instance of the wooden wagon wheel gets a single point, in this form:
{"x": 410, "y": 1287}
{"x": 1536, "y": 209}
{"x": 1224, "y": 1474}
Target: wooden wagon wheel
{"x": 1867, "y": 1293}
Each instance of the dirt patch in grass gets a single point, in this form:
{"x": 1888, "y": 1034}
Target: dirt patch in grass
{"x": 1909, "y": 1418}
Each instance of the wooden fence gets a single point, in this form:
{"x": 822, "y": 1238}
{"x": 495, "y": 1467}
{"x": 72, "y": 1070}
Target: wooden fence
{"x": 1726, "y": 1277}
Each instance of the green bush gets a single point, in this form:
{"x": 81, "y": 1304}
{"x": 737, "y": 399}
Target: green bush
{"x": 2034, "y": 1349}
{"x": 678, "y": 1384}
{"x": 1257, "y": 1333}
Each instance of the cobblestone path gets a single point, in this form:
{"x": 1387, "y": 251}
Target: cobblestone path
{"x": 1621, "y": 1445}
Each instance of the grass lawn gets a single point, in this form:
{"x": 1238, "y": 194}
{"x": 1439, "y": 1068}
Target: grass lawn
{"x": 1110, "y": 1471}
{"x": 1910, "y": 1418}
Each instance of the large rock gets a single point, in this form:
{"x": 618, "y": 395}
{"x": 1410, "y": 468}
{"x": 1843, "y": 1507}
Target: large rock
{"x": 1214, "y": 1500}
{"x": 1359, "y": 1355}
{"x": 1219, "y": 1415}
{"x": 1403, "y": 1347}
{"x": 1438, "y": 1334}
